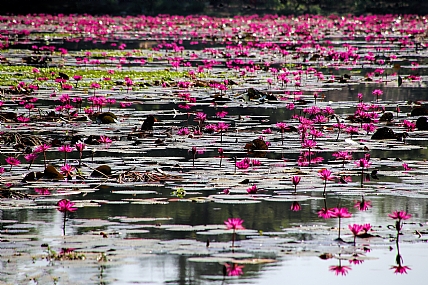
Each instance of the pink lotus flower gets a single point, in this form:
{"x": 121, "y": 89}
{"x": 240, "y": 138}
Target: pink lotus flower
{"x": 233, "y": 269}
{"x": 12, "y": 161}
{"x": 80, "y": 146}
{"x": 355, "y": 229}
{"x": 234, "y": 224}
{"x": 252, "y": 189}
{"x": 296, "y": 180}
{"x": 42, "y": 191}
{"x": 366, "y": 227}
{"x": 406, "y": 167}
{"x": 200, "y": 117}
{"x": 343, "y": 155}
{"x": 377, "y": 93}
{"x": 221, "y": 114}
{"x": 243, "y": 164}
{"x": 42, "y": 148}
{"x": 363, "y": 163}
{"x": 183, "y": 132}
{"x": 65, "y": 148}
{"x": 65, "y": 206}
{"x": 341, "y": 213}
{"x": 67, "y": 170}
{"x": 105, "y": 139}
{"x": 30, "y": 158}
{"x": 399, "y": 215}
{"x": 325, "y": 213}
{"x": 325, "y": 175}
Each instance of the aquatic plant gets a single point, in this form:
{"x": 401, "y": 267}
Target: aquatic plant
{"x": 65, "y": 206}
{"x": 234, "y": 224}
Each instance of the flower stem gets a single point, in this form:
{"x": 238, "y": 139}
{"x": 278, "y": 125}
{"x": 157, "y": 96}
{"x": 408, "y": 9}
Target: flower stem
{"x": 339, "y": 227}
{"x": 233, "y": 238}
{"x": 63, "y": 226}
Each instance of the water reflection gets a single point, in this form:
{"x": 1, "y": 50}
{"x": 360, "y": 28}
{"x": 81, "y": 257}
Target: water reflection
{"x": 399, "y": 268}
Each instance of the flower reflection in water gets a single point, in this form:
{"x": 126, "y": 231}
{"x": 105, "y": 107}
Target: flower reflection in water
{"x": 295, "y": 206}
{"x": 232, "y": 269}
{"x": 399, "y": 216}
{"x": 399, "y": 268}
{"x": 340, "y": 269}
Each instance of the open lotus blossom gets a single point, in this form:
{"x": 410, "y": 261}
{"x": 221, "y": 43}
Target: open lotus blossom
{"x": 325, "y": 213}
{"x": 65, "y": 149}
{"x": 42, "y": 191}
{"x": 363, "y": 163}
{"x": 366, "y": 228}
{"x": 222, "y": 127}
{"x": 105, "y": 139}
{"x": 183, "y": 132}
{"x": 399, "y": 216}
{"x": 282, "y": 127}
{"x": 42, "y": 148}
{"x": 342, "y": 155}
{"x": 30, "y": 158}
{"x": 325, "y": 175}
{"x": 12, "y": 161}
{"x": 65, "y": 206}
{"x": 355, "y": 229}
{"x": 340, "y": 213}
{"x": 377, "y": 93}
{"x": 234, "y": 224}
{"x": 252, "y": 190}
{"x": 67, "y": 170}
{"x": 243, "y": 164}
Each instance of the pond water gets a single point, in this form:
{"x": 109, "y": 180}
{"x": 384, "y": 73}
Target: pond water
{"x": 159, "y": 216}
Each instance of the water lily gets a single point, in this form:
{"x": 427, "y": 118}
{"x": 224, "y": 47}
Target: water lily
{"x": 252, "y": 189}
{"x": 355, "y": 229}
{"x": 325, "y": 175}
{"x": 340, "y": 213}
{"x": 65, "y": 206}
{"x": 296, "y": 180}
{"x": 234, "y": 224}
{"x": 12, "y": 161}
